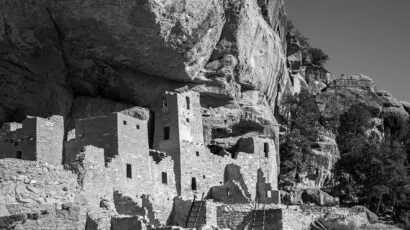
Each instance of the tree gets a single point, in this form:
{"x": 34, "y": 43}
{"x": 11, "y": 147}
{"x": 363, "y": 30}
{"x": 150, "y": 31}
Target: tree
{"x": 310, "y": 55}
{"x": 301, "y": 119}
{"x": 375, "y": 168}
{"x": 317, "y": 56}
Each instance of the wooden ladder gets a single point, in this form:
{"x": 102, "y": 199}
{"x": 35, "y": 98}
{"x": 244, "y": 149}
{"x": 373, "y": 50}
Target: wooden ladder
{"x": 194, "y": 212}
{"x": 318, "y": 225}
{"x": 258, "y": 221}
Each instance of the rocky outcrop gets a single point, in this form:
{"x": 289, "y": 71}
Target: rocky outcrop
{"x": 327, "y": 155}
{"x": 334, "y": 101}
{"x": 132, "y": 51}
{"x": 260, "y": 63}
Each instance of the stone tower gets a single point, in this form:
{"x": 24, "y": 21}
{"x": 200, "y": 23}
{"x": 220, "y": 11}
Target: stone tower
{"x": 179, "y": 132}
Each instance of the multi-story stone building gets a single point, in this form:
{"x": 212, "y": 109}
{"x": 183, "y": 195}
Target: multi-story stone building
{"x": 118, "y": 163}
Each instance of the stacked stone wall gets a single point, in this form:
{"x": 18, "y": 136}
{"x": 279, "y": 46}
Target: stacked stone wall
{"x": 239, "y": 216}
{"x": 98, "y": 131}
{"x": 35, "y": 139}
{"x": 21, "y": 141}
{"x": 50, "y": 138}
{"x": 196, "y": 169}
{"x": 210, "y": 170}
{"x": 162, "y": 194}
{"x": 132, "y": 178}
{"x": 166, "y": 115}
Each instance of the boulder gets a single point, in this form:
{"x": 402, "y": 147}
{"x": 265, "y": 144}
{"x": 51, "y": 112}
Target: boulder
{"x": 387, "y": 100}
{"x": 345, "y": 219}
{"x": 294, "y": 55}
{"x": 406, "y": 106}
{"x": 371, "y": 216}
{"x": 327, "y": 155}
{"x": 292, "y": 198}
{"x": 319, "y": 198}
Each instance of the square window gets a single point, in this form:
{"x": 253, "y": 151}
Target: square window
{"x": 124, "y": 122}
{"x": 19, "y": 155}
{"x": 164, "y": 178}
{"x": 129, "y": 171}
{"x": 166, "y": 133}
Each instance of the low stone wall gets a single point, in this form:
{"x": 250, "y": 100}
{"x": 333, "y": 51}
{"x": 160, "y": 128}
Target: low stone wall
{"x": 66, "y": 216}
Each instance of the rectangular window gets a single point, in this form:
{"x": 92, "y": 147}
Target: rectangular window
{"x": 164, "y": 178}
{"x": 166, "y": 133}
{"x": 188, "y": 103}
{"x": 269, "y": 194}
{"x": 193, "y": 184}
{"x": 138, "y": 126}
{"x": 19, "y": 155}
{"x": 164, "y": 102}
{"x": 129, "y": 171}
{"x": 266, "y": 149}
{"x": 197, "y": 153}
{"x": 124, "y": 122}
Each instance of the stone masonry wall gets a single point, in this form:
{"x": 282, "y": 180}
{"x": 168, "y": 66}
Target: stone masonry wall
{"x": 21, "y": 141}
{"x": 50, "y": 137}
{"x": 132, "y": 178}
{"x": 98, "y": 131}
{"x": 210, "y": 170}
{"x": 166, "y": 116}
{"x": 36, "y": 139}
{"x": 197, "y": 170}
{"x": 239, "y": 216}
{"x": 162, "y": 194}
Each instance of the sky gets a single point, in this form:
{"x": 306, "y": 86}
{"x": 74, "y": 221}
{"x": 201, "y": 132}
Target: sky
{"x": 370, "y": 37}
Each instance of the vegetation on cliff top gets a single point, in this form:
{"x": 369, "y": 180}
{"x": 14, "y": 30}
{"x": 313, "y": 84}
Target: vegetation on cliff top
{"x": 310, "y": 55}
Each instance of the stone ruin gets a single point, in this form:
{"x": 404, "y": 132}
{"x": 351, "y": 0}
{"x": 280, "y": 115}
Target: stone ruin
{"x": 119, "y": 172}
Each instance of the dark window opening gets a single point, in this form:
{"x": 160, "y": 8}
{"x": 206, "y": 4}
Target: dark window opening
{"x": 204, "y": 176}
{"x": 266, "y": 149}
{"x": 166, "y": 133}
{"x": 188, "y": 102}
{"x": 138, "y": 126}
{"x": 124, "y": 122}
{"x": 129, "y": 171}
{"x": 19, "y": 155}
{"x": 187, "y": 120}
{"x": 164, "y": 102}
{"x": 193, "y": 184}
{"x": 197, "y": 153}
{"x": 164, "y": 178}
